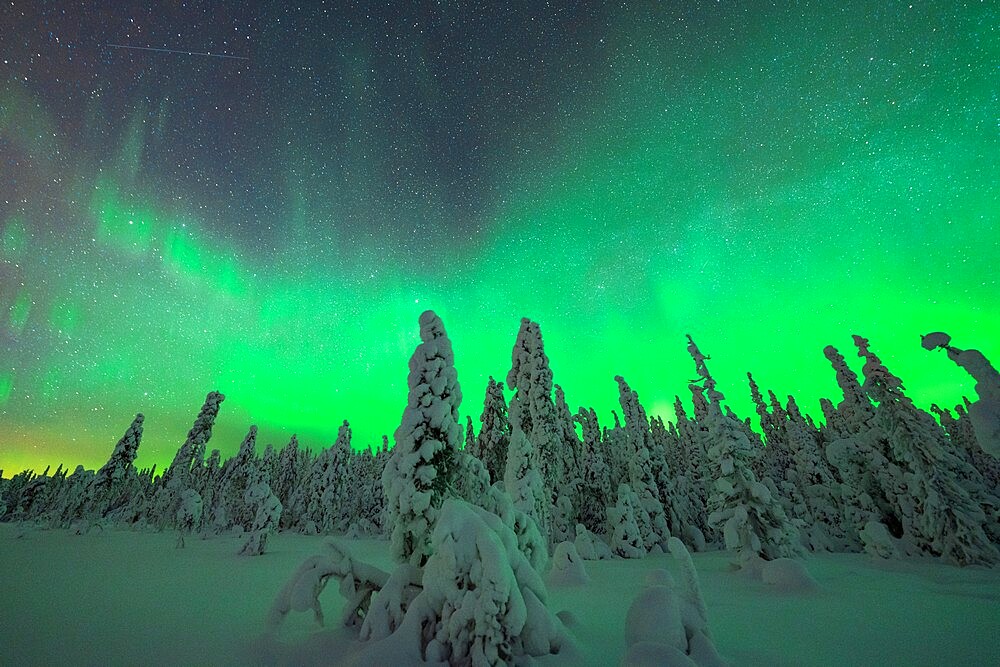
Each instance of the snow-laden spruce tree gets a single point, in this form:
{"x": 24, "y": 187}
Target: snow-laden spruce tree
{"x": 595, "y": 488}
{"x": 642, "y": 479}
{"x": 482, "y": 602}
{"x": 948, "y": 520}
{"x": 113, "y": 484}
{"x": 418, "y": 475}
{"x": 963, "y": 436}
{"x": 683, "y": 516}
{"x": 570, "y": 450}
{"x": 818, "y": 488}
{"x": 984, "y": 414}
{"x": 872, "y": 483}
{"x": 751, "y": 520}
{"x": 266, "y": 509}
{"x": 330, "y": 499}
{"x": 494, "y": 434}
{"x": 166, "y": 497}
{"x": 286, "y": 475}
{"x": 236, "y": 475}
{"x": 532, "y": 409}
{"x": 197, "y": 437}
{"x": 692, "y": 436}
{"x": 522, "y": 480}
{"x": 189, "y": 512}
{"x": 625, "y": 534}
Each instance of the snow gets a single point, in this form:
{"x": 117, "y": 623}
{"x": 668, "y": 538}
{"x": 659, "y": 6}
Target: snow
{"x": 131, "y": 598}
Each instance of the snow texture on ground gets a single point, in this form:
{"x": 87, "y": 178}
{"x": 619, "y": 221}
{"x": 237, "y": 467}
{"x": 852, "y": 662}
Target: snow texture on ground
{"x": 125, "y": 598}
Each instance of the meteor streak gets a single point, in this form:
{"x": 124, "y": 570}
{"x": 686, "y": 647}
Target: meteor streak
{"x": 188, "y": 53}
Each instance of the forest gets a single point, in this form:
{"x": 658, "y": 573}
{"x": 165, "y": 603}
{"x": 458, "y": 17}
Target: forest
{"x": 475, "y": 514}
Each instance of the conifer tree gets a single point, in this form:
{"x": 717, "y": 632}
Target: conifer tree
{"x": 266, "y": 510}
{"x": 595, "y": 489}
{"x": 642, "y": 479}
{"x": 623, "y": 527}
{"x": 197, "y": 437}
{"x": 873, "y": 487}
{"x": 531, "y": 408}
{"x": 494, "y": 434}
{"x": 983, "y": 414}
{"x": 235, "y": 478}
{"x": 115, "y": 481}
{"x": 523, "y": 481}
{"x": 947, "y": 520}
{"x": 751, "y": 520}
{"x": 287, "y": 471}
{"x": 165, "y": 500}
{"x": 418, "y": 474}
{"x": 331, "y": 497}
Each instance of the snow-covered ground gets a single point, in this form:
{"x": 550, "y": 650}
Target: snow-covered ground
{"x": 121, "y": 597}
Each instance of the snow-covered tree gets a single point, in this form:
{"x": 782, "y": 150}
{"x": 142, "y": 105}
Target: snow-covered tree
{"x": 329, "y": 503}
{"x": 418, "y": 475}
{"x": 197, "y": 437}
{"x": 751, "y": 520}
{"x": 667, "y": 624}
{"x": 623, "y": 528}
{"x": 947, "y": 519}
{"x": 482, "y": 603}
{"x": 642, "y": 479}
{"x": 595, "y": 488}
{"x": 165, "y": 500}
{"x": 984, "y": 414}
{"x": 287, "y": 471}
{"x": 189, "y": 512}
{"x": 532, "y": 409}
{"x": 494, "y": 434}
{"x": 114, "y": 483}
{"x": 872, "y": 483}
{"x": 237, "y": 473}
{"x": 523, "y": 481}
{"x": 266, "y": 509}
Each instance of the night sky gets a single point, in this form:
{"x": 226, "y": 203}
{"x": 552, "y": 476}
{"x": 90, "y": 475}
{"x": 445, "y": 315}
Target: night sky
{"x": 266, "y": 204}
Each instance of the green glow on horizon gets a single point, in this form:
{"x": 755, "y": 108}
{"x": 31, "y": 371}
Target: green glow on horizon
{"x": 762, "y": 202}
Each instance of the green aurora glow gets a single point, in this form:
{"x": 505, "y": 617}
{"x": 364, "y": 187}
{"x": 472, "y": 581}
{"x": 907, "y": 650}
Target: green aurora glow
{"x": 759, "y": 193}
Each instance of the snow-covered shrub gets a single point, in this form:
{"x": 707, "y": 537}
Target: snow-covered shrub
{"x": 590, "y": 546}
{"x": 878, "y": 542}
{"x": 567, "y": 567}
{"x": 667, "y": 624}
{"x": 189, "y": 511}
{"x": 266, "y": 518}
{"x": 626, "y": 538}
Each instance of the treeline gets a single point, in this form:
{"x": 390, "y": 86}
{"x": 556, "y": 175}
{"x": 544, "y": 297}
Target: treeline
{"x": 879, "y": 475}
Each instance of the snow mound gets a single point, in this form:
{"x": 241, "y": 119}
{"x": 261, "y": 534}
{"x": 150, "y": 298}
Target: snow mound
{"x": 666, "y": 623}
{"x": 787, "y": 574}
{"x": 590, "y": 546}
{"x": 567, "y": 567}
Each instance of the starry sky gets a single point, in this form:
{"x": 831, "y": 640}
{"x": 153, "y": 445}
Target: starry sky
{"x": 261, "y": 198}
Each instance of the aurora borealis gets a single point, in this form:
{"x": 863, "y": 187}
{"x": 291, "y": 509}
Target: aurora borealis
{"x": 769, "y": 180}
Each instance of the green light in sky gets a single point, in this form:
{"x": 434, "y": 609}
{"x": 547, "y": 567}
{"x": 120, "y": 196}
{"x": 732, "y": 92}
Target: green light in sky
{"x": 6, "y": 386}
{"x": 753, "y": 190}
